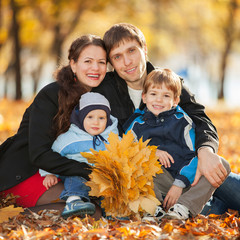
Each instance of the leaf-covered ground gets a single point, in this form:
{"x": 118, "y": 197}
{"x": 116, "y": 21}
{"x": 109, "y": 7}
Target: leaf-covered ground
{"x": 49, "y": 225}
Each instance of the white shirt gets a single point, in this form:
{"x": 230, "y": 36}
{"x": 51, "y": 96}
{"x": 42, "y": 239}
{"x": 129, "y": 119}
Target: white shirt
{"x": 136, "y": 96}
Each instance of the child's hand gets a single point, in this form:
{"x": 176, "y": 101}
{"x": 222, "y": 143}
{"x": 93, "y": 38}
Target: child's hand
{"x": 172, "y": 196}
{"x": 49, "y": 181}
{"x": 164, "y": 158}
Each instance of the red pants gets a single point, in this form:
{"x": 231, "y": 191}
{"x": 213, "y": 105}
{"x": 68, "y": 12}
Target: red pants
{"x": 28, "y": 191}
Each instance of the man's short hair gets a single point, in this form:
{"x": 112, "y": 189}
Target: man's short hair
{"x": 121, "y": 32}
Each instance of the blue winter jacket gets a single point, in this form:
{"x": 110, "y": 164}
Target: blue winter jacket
{"x": 75, "y": 140}
{"x": 171, "y": 131}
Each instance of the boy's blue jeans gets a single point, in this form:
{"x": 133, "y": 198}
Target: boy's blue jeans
{"x": 74, "y": 186}
{"x": 225, "y": 197}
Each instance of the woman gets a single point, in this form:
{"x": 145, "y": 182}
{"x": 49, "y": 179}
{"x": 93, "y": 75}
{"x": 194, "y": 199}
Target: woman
{"x": 48, "y": 116}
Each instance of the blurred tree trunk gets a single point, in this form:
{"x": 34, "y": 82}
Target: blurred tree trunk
{"x": 17, "y": 50}
{"x": 229, "y": 34}
{"x": 61, "y": 34}
{"x": 4, "y": 79}
{"x": 57, "y": 43}
{"x": 36, "y": 77}
{"x": 158, "y": 25}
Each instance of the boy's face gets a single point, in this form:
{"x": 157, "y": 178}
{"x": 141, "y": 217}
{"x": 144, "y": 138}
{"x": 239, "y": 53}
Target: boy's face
{"x": 129, "y": 60}
{"x": 159, "y": 99}
{"x": 95, "y": 122}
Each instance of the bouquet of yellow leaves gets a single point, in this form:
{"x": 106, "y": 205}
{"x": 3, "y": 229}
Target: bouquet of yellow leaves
{"x": 123, "y": 176}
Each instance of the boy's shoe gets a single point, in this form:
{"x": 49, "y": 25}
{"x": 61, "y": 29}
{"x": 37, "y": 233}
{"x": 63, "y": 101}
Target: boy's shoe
{"x": 178, "y": 211}
{"x": 78, "y": 208}
{"x": 158, "y": 215}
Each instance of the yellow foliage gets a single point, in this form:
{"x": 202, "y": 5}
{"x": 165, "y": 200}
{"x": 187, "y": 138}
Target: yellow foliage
{"x": 10, "y": 211}
{"x": 123, "y": 175}
{"x": 10, "y": 116}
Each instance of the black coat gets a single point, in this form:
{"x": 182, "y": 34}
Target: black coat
{"x": 30, "y": 148}
{"x": 114, "y": 88}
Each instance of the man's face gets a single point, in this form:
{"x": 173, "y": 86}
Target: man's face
{"x": 129, "y": 60}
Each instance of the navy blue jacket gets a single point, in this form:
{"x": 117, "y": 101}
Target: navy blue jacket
{"x": 171, "y": 131}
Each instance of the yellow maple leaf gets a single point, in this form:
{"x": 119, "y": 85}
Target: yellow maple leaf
{"x": 149, "y": 203}
{"x": 10, "y": 211}
{"x": 134, "y": 205}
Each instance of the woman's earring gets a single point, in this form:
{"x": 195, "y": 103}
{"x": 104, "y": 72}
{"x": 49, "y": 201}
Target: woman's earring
{"x": 74, "y": 77}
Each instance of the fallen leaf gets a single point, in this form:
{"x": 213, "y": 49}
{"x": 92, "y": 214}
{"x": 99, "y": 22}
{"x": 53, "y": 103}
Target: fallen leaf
{"x": 8, "y": 212}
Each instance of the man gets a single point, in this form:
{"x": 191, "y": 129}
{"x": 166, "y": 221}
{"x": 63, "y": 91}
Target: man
{"x": 127, "y": 53}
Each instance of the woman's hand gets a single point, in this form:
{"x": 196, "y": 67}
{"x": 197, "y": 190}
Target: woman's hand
{"x": 165, "y": 158}
{"x": 172, "y": 197}
{"x": 49, "y": 181}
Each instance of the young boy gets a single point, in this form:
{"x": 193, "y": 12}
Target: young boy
{"x": 172, "y": 130}
{"x": 91, "y": 124}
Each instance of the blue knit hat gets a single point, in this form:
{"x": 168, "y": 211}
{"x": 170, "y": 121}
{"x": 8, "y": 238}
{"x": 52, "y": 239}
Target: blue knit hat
{"x": 88, "y": 102}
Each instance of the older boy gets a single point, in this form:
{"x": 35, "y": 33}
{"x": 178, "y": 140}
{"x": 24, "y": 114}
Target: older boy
{"x": 171, "y": 129}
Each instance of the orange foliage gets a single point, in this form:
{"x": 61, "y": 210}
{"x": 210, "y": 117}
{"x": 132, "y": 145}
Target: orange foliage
{"x": 228, "y": 127}
{"x": 10, "y": 117}
{"x": 49, "y": 225}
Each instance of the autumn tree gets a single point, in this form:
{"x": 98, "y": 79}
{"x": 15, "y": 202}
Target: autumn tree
{"x": 16, "y": 50}
{"x": 230, "y": 33}
{"x": 58, "y": 19}
{"x": 43, "y": 26}
{"x": 204, "y": 31}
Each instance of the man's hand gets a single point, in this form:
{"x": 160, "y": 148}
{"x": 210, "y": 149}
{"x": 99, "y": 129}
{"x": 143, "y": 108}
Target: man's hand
{"x": 49, "y": 181}
{"x": 172, "y": 196}
{"x": 210, "y": 165}
{"x": 165, "y": 158}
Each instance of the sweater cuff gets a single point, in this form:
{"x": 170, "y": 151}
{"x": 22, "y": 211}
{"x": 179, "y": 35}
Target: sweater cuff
{"x": 207, "y": 143}
{"x": 179, "y": 183}
{"x": 206, "y": 147}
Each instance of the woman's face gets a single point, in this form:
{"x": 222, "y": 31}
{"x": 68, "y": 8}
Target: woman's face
{"x": 91, "y": 66}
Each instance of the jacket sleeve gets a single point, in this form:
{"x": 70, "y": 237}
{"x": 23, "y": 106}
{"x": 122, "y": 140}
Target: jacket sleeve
{"x": 206, "y": 133}
{"x": 43, "y": 173}
{"x": 44, "y": 108}
{"x": 189, "y": 161}
{"x": 187, "y": 173}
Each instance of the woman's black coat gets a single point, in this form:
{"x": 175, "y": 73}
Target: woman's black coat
{"x": 30, "y": 148}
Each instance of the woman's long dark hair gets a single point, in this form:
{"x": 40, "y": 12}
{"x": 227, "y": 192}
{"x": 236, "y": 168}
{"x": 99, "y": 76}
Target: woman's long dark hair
{"x": 70, "y": 88}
